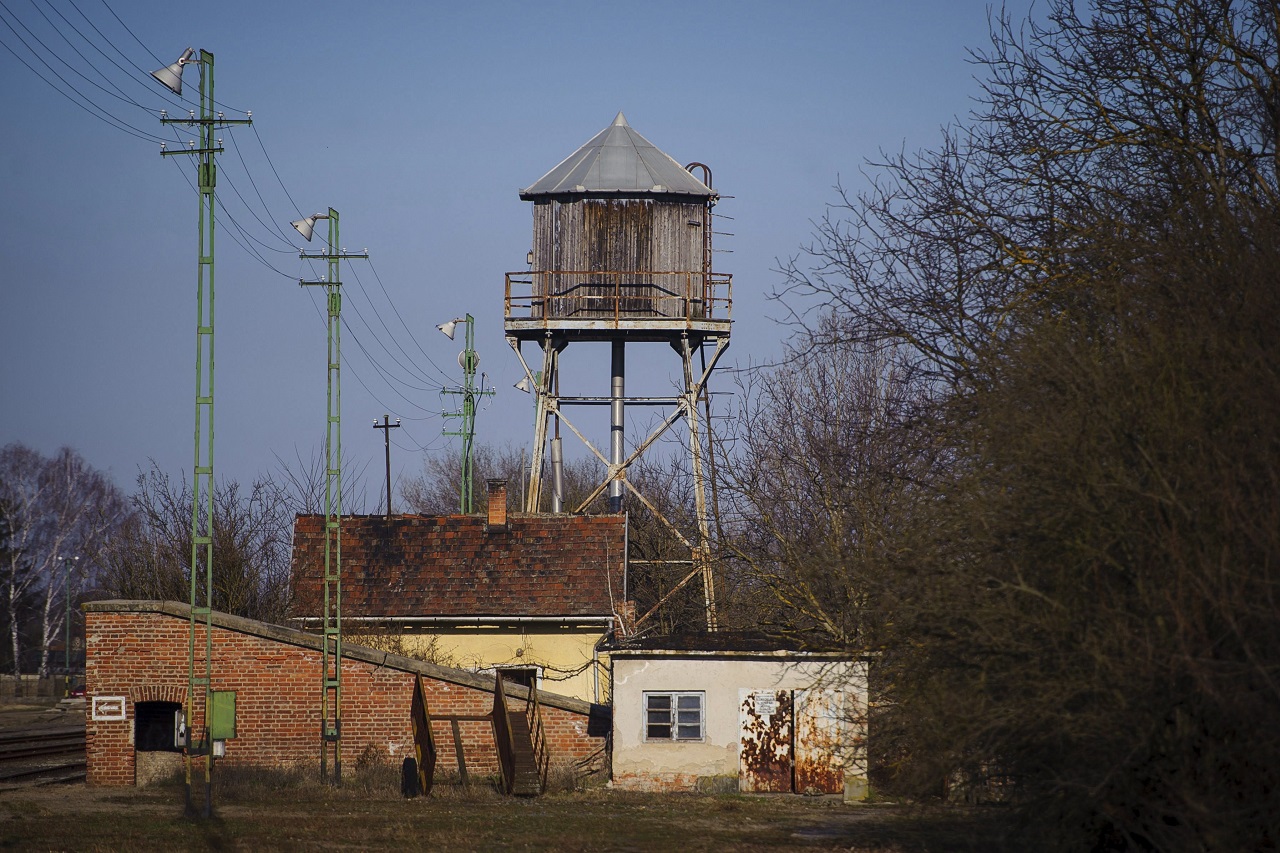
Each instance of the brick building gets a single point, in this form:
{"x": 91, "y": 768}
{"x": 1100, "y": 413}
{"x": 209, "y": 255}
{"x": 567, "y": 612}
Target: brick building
{"x": 531, "y": 595}
{"x": 136, "y": 677}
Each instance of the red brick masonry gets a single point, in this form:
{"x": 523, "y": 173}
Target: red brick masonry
{"x": 138, "y": 650}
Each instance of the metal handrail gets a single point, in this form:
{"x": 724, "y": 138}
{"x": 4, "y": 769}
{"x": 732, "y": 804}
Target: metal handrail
{"x": 704, "y": 296}
{"x": 502, "y": 736}
{"x": 538, "y": 736}
{"x": 424, "y": 742}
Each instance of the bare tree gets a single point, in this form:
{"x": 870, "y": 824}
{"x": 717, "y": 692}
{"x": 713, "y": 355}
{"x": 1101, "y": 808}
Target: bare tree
{"x": 1097, "y": 607}
{"x": 305, "y": 480}
{"x": 1083, "y": 277}
{"x": 54, "y": 509}
{"x": 822, "y": 467}
{"x": 252, "y": 534}
{"x": 1095, "y": 128}
{"x": 437, "y": 490}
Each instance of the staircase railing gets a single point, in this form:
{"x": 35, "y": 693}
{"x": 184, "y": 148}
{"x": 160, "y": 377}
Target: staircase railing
{"x": 502, "y": 736}
{"x": 538, "y": 735}
{"x": 424, "y": 741}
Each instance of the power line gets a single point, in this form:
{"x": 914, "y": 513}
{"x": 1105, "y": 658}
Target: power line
{"x": 88, "y": 105}
{"x": 122, "y": 96}
{"x": 401, "y": 373}
{"x": 405, "y": 325}
{"x": 288, "y": 251}
{"x": 248, "y": 250}
{"x": 270, "y": 219}
{"x": 378, "y": 315}
{"x": 158, "y": 60}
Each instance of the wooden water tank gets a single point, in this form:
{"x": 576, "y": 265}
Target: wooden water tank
{"x": 620, "y": 232}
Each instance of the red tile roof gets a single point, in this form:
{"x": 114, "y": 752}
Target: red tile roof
{"x": 456, "y": 565}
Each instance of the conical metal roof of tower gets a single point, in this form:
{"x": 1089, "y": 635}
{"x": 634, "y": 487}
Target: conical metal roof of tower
{"x": 618, "y": 161}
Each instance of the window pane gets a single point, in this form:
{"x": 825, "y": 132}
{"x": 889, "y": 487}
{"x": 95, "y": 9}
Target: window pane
{"x": 661, "y": 700}
{"x": 693, "y": 732}
{"x": 659, "y": 717}
{"x": 659, "y": 730}
{"x": 689, "y": 701}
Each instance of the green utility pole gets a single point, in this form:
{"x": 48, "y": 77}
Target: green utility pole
{"x": 469, "y": 361}
{"x": 201, "y": 685}
{"x": 331, "y": 636}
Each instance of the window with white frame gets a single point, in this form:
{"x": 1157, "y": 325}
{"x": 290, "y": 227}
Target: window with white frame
{"x": 673, "y": 716}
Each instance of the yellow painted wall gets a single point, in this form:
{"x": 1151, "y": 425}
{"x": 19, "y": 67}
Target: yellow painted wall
{"x": 565, "y": 655}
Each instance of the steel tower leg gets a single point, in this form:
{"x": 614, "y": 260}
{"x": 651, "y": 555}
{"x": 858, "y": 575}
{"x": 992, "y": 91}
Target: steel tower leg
{"x": 547, "y": 404}
{"x": 702, "y": 551}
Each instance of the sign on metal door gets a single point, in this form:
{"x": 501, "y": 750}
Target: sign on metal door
{"x": 765, "y": 757}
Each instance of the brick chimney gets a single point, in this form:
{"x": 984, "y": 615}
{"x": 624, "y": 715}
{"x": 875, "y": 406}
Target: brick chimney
{"x": 497, "y": 504}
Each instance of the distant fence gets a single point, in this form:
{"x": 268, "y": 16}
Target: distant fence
{"x": 34, "y": 687}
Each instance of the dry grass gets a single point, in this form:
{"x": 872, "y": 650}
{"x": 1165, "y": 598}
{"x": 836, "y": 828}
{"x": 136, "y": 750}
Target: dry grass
{"x": 281, "y": 809}
{"x": 294, "y": 810}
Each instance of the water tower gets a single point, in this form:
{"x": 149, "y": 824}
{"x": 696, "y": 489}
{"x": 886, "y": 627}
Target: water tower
{"x": 621, "y": 256}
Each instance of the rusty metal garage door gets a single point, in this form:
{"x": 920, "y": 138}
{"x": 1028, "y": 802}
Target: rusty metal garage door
{"x": 765, "y": 758}
{"x": 792, "y": 741}
{"x": 819, "y": 741}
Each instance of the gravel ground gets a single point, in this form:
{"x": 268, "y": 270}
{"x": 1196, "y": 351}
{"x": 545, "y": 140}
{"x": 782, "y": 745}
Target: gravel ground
{"x": 41, "y": 713}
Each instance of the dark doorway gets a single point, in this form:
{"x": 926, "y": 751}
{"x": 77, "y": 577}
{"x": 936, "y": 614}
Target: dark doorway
{"x": 155, "y": 725}
{"x": 525, "y": 676}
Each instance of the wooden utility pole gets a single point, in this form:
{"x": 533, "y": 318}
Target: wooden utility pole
{"x": 386, "y": 426}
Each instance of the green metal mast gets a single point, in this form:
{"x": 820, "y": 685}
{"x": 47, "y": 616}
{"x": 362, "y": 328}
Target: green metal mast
{"x": 200, "y": 668}
{"x": 469, "y": 362}
{"x": 331, "y": 628}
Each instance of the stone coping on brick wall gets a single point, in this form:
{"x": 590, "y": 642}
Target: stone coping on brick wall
{"x": 306, "y": 640}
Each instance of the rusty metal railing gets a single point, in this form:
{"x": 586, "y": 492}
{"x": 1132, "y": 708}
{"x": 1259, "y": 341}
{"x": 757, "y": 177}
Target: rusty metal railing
{"x": 502, "y": 736}
{"x": 538, "y": 736}
{"x": 424, "y": 742}
{"x": 551, "y": 295}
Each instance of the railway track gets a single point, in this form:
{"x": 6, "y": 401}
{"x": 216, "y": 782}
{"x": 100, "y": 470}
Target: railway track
{"x": 45, "y": 756}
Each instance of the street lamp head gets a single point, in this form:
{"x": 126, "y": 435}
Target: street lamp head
{"x": 306, "y": 227}
{"x": 524, "y": 385}
{"x": 449, "y": 327}
{"x": 171, "y": 75}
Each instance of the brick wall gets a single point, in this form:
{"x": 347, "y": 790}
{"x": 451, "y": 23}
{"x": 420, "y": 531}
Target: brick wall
{"x": 138, "y": 650}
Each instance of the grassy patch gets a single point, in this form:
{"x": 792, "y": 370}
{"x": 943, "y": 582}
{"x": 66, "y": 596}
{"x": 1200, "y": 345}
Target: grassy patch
{"x": 280, "y": 810}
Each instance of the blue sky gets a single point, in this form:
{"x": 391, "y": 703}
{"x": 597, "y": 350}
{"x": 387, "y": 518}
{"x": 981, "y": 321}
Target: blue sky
{"x": 419, "y": 122}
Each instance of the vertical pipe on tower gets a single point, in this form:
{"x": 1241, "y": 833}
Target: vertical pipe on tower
{"x": 617, "y": 369}
{"x": 557, "y": 476}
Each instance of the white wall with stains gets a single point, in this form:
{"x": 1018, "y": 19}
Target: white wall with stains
{"x": 730, "y": 682}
